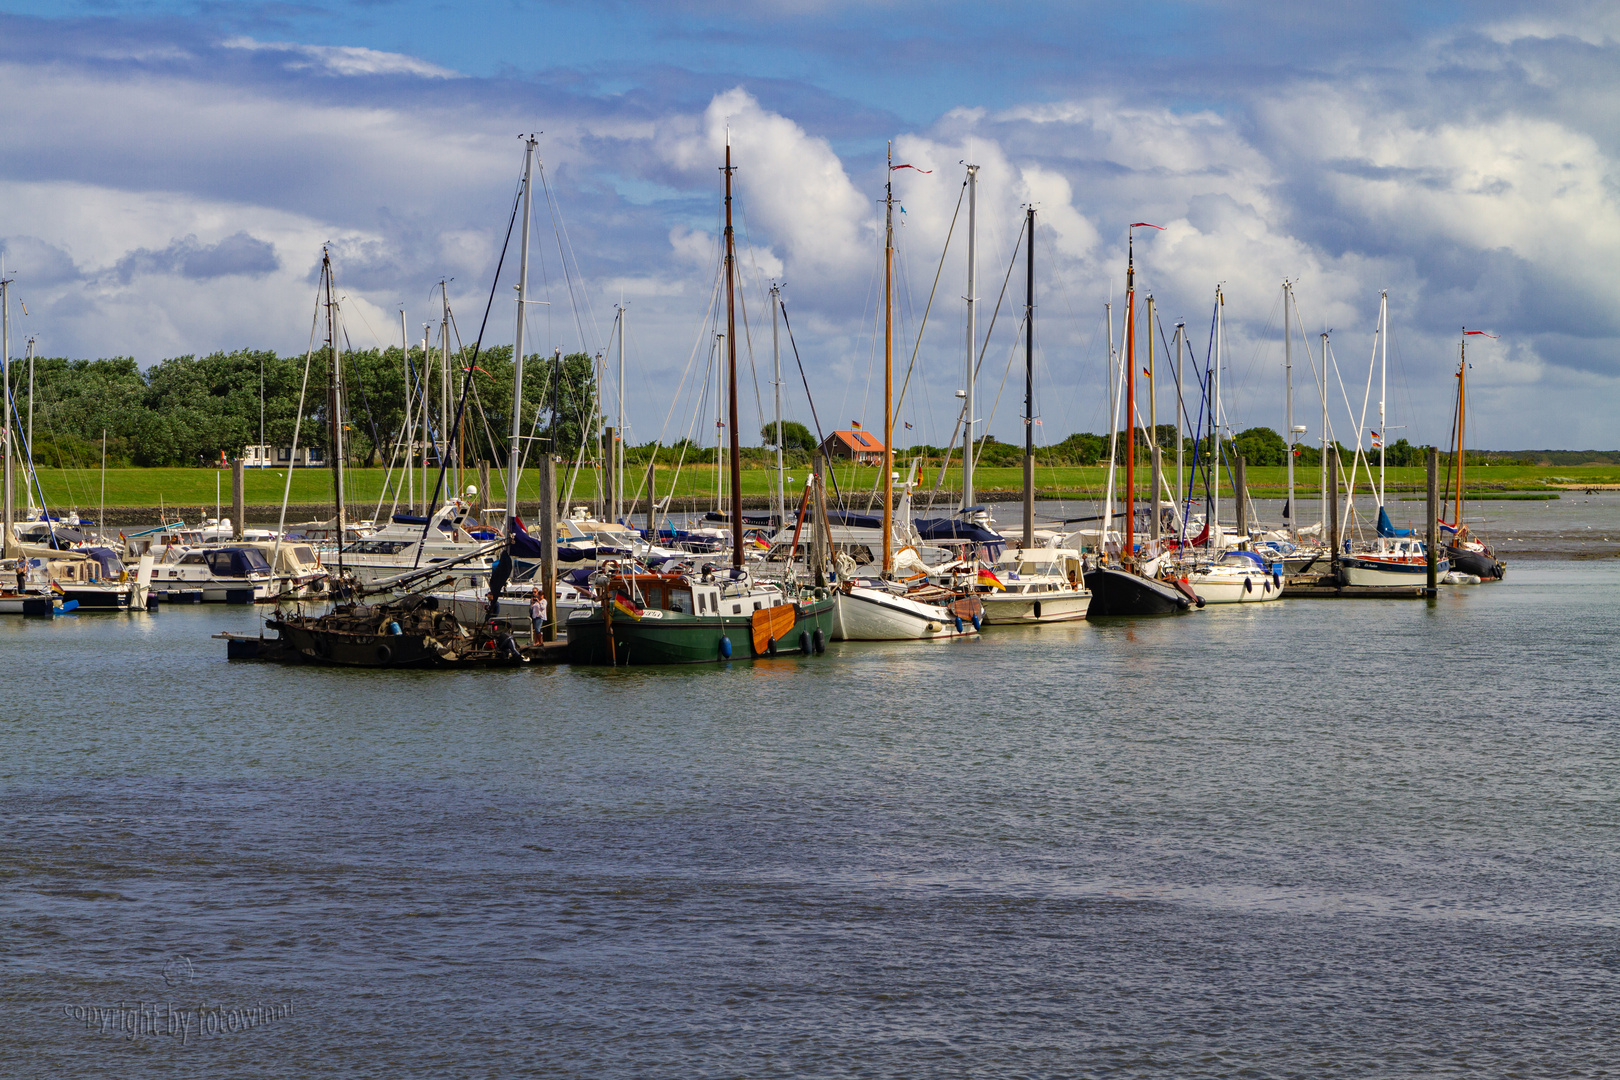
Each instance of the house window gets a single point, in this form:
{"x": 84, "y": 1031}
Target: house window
{"x": 284, "y": 453}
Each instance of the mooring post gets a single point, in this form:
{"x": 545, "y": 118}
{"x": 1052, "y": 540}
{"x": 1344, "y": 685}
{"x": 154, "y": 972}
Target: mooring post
{"x": 1431, "y": 533}
{"x": 1241, "y": 480}
{"x": 1332, "y": 497}
{"x": 238, "y": 499}
{"x": 548, "y": 541}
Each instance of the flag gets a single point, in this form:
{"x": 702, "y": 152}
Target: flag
{"x": 988, "y": 577}
{"x": 1146, "y": 225}
{"x": 1493, "y": 337}
{"x": 908, "y": 426}
{"x": 1037, "y": 422}
{"x": 57, "y": 589}
{"x": 856, "y": 424}
{"x": 913, "y": 168}
{"x": 760, "y": 542}
{"x": 626, "y": 606}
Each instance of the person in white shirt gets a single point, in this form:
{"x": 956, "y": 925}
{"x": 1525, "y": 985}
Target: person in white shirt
{"x": 537, "y": 615}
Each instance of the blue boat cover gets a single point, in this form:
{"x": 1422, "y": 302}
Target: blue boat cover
{"x": 1386, "y": 529}
{"x": 524, "y": 546}
{"x": 938, "y": 529}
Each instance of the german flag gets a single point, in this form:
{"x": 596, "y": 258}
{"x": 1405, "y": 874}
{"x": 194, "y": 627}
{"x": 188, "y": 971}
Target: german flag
{"x": 987, "y": 577}
{"x": 626, "y": 606}
{"x": 57, "y": 589}
{"x": 761, "y": 543}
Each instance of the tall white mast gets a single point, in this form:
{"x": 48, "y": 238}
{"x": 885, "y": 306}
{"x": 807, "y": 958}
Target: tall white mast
{"x": 427, "y": 337}
{"x": 1383, "y": 385}
{"x": 1181, "y": 482}
{"x": 972, "y": 335}
{"x": 1288, "y": 394}
{"x": 445, "y": 416}
{"x": 514, "y": 451}
{"x": 1215, "y": 419}
{"x": 618, "y": 430}
{"x": 776, "y": 360}
{"x": 9, "y": 509}
{"x": 1323, "y": 387}
{"x": 30, "y": 473}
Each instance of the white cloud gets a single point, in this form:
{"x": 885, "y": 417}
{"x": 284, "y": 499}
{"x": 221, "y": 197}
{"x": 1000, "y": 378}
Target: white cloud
{"x": 344, "y": 59}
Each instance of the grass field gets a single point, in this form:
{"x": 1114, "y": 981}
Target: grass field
{"x": 196, "y": 487}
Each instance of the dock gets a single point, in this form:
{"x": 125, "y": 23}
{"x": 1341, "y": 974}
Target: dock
{"x": 1327, "y": 587}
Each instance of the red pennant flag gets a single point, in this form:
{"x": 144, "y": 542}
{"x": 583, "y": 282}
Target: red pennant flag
{"x": 1493, "y": 337}
{"x": 1146, "y": 225}
{"x": 913, "y": 168}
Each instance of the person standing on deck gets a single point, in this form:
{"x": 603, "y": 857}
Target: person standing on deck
{"x": 537, "y": 615}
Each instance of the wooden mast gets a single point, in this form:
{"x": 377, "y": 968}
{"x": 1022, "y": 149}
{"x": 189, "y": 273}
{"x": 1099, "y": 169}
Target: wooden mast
{"x": 731, "y": 374}
{"x": 1462, "y": 423}
{"x": 888, "y": 369}
{"x": 1128, "y": 554}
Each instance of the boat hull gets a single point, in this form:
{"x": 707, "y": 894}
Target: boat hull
{"x": 114, "y": 597}
{"x": 1019, "y": 609}
{"x": 873, "y": 615}
{"x": 1355, "y": 570}
{"x": 358, "y": 650}
{"x": 1477, "y": 563}
{"x": 27, "y": 605}
{"x": 672, "y": 637}
{"x": 1253, "y": 588}
{"x": 1122, "y": 593}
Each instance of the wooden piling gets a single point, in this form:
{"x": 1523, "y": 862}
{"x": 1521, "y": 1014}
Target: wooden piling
{"x": 238, "y": 499}
{"x": 548, "y": 541}
{"x": 1431, "y": 533}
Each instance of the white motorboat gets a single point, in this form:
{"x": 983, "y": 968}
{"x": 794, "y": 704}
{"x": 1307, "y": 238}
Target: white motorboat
{"x": 224, "y": 575}
{"x": 871, "y": 611}
{"x": 1035, "y": 585}
{"x": 408, "y": 543}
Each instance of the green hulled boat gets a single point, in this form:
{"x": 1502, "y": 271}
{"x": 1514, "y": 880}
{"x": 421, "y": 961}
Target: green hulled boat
{"x": 674, "y": 619}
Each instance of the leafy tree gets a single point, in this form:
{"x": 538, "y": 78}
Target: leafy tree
{"x": 1262, "y": 446}
{"x": 795, "y": 436}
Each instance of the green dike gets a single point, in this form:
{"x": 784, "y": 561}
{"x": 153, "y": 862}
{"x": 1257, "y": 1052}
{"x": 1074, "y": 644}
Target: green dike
{"x": 195, "y": 487}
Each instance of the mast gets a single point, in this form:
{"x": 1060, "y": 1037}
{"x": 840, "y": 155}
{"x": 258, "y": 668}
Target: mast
{"x": 1288, "y": 397}
{"x": 1215, "y": 427}
{"x": 1181, "y": 512}
{"x": 1462, "y": 423}
{"x": 334, "y": 403}
{"x": 1323, "y": 387}
{"x": 776, "y": 367}
{"x": 972, "y": 300}
{"x": 618, "y": 431}
{"x": 731, "y": 376}
{"x": 30, "y": 471}
{"x": 1029, "y": 386}
{"x": 888, "y": 367}
{"x": 1383, "y": 386}
{"x": 514, "y": 451}
{"x": 1153, "y": 427}
{"x": 1130, "y": 399}
{"x": 427, "y": 335}
{"x": 9, "y": 508}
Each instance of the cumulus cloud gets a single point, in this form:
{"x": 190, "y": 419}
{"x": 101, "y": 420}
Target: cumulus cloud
{"x": 238, "y": 253}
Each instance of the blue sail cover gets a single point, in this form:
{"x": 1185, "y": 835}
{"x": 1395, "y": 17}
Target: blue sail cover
{"x": 1386, "y": 529}
{"x": 522, "y": 545}
{"x": 955, "y": 529}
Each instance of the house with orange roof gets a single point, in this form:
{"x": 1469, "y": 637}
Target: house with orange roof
{"x": 858, "y": 446}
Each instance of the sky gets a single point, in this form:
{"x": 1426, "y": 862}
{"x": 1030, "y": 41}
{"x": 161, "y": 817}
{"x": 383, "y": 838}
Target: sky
{"x": 169, "y": 173}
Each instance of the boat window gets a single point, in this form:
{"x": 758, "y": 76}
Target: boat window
{"x": 703, "y": 603}
{"x": 195, "y": 558}
{"x": 304, "y": 554}
{"x": 757, "y": 605}
{"x": 736, "y": 609}
{"x": 220, "y": 563}
{"x": 681, "y": 601}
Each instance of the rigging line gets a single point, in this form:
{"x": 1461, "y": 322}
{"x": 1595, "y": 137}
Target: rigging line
{"x": 298, "y": 420}
{"x": 444, "y": 460}
{"x": 565, "y": 248}
{"x": 821, "y": 436}
{"x": 371, "y": 421}
{"x": 917, "y": 345}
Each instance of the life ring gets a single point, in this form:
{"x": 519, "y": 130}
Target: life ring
{"x": 384, "y": 654}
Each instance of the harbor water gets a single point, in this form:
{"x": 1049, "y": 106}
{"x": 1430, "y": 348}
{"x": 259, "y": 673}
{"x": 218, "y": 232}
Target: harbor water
{"x": 1325, "y": 838}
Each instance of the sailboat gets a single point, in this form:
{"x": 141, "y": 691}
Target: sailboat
{"x": 1122, "y": 588}
{"x": 1033, "y": 583}
{"x": 1467, "y": 554}
{"x": 652, "y": 618}
{"x": 879, "y": 609}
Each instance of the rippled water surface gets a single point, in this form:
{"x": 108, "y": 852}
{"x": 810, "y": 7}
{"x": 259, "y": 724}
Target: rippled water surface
{"x": 1301, "y": 839}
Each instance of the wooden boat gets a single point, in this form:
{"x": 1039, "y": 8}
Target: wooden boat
{"x": 1468, "y": 554}
{"x": 645, "y": 618}
{"x": 414, "y": 633}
